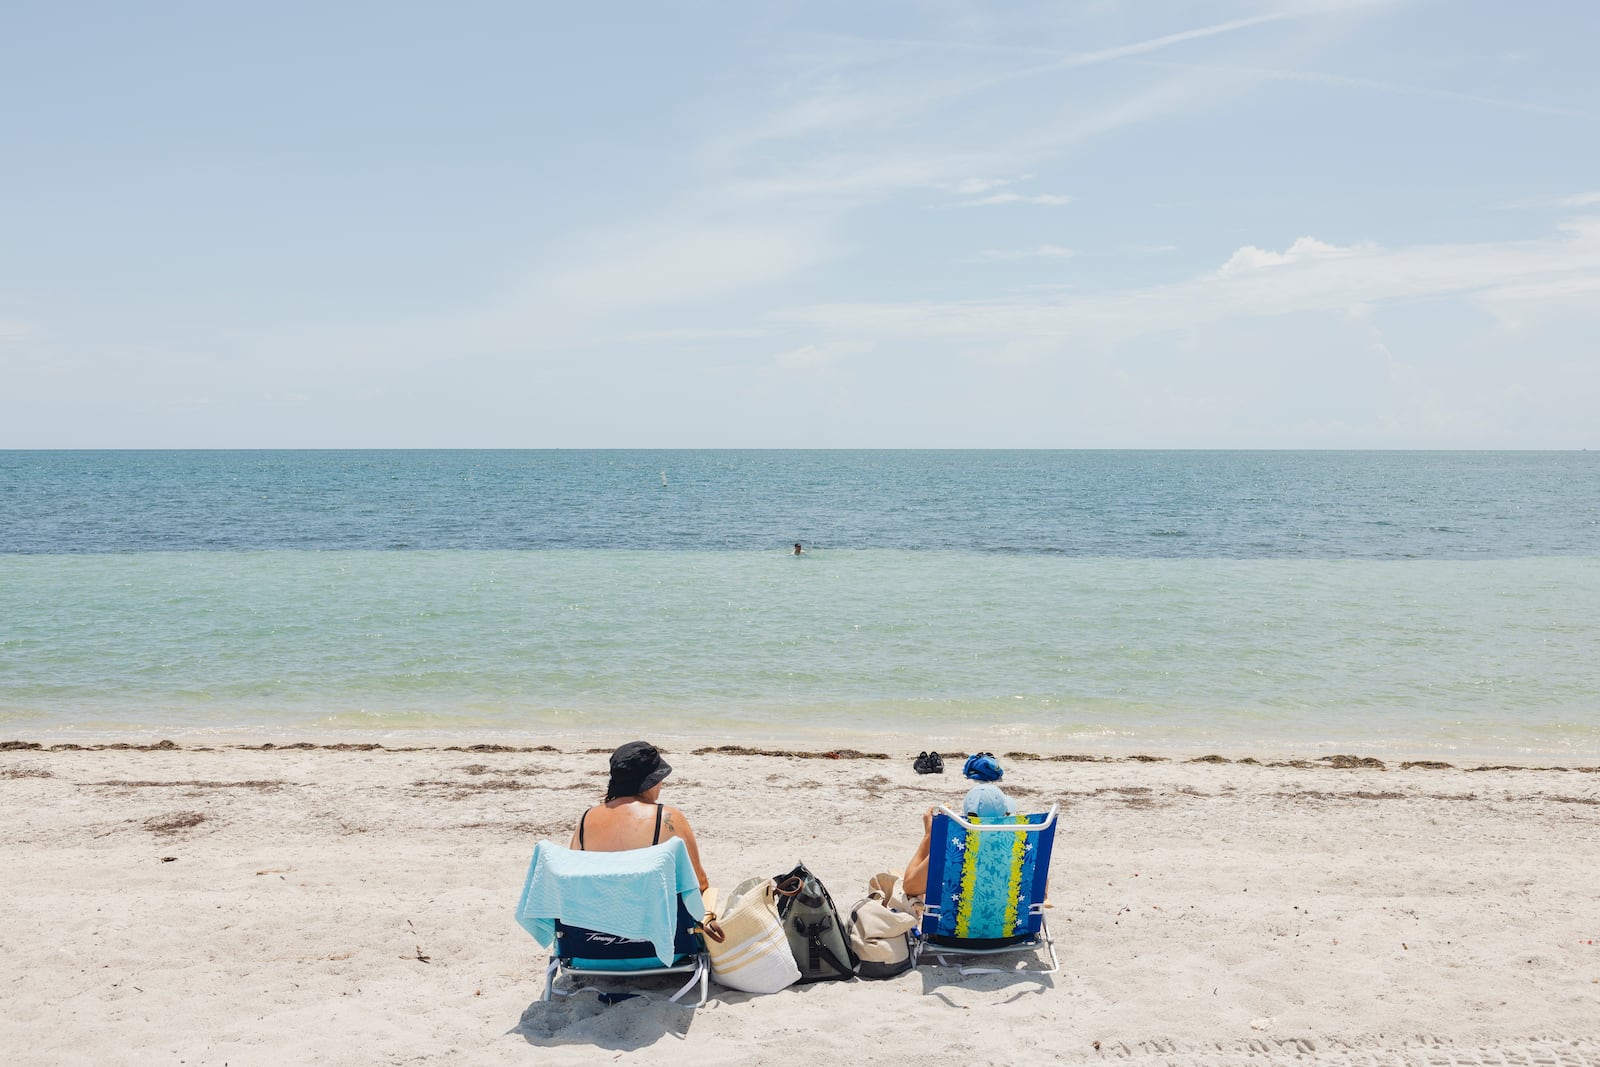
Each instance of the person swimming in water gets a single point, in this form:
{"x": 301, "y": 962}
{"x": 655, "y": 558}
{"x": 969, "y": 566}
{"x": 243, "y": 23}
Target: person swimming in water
{"x": 798, "y": 550}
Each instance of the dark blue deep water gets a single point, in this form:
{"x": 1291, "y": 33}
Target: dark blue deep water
{"x": 1219, "y": 505}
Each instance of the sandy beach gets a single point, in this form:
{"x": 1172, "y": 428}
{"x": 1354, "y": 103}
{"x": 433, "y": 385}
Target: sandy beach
{"x": 353, "y": 904}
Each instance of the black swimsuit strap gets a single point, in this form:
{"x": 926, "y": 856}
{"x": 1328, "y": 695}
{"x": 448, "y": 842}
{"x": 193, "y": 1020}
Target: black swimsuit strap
{"x": 655, "y": 841}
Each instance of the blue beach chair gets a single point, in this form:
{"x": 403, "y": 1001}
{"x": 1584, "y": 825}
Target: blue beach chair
{"x": 986, "y": 886}
{"x": 616, "y": 915}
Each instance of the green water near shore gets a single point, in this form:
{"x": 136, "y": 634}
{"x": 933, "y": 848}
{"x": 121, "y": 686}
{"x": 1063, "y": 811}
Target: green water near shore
{"x": 1418, "y": 656}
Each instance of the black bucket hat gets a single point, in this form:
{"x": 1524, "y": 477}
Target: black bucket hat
{"x": 635, "y": 767}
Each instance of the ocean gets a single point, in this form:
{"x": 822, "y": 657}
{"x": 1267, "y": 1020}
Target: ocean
{"x": 1246, "y": 603}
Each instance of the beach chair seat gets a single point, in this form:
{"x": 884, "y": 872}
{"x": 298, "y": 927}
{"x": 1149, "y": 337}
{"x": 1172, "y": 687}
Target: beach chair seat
{"x": 987, "y": 880}
{"x": 616, "y": 915}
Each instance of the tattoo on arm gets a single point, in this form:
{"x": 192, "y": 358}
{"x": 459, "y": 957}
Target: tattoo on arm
{"x": 672, "y": 827}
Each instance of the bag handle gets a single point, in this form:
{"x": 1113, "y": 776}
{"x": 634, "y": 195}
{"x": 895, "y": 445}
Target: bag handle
{"x": 790, "y": 886}
{"x": 711, "y": 928}
{"x": 833, "y": 961}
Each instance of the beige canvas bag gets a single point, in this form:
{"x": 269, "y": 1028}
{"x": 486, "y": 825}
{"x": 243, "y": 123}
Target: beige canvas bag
{"x": 880, "y": 931}
{"x": 749, "y": 950}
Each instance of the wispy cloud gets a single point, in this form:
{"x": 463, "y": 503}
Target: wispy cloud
{"x": 1042, "y": 199}
{"x": 1580, "y": 200}
{"x": 690, "y": 334}
{"x": 1037, "y": 252}
{"x": 1168, "y": 40}
{"x": 1394, "y": 88}
{"x": 1057, "y": 58}
{"x": 860, "y": 124}
{"x": 974, "y": 186}
{"x": 879, "y": 115}
{"x": 819, "y": 356}
{"x": 1251, "y": 283}
{"x": 604, "y": 287}
{"x": 1252, "y": 258}
{"x": 671, "y": 265}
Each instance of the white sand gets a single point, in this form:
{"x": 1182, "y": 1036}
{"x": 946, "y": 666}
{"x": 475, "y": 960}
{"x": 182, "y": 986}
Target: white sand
{"x": 1205, "y": 913}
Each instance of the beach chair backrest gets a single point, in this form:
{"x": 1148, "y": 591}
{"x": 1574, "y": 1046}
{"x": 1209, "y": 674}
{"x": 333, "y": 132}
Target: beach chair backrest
{"x": 583, "y": 943}
{"x": 647, "y": 895}
{"x": 987, "y": 877}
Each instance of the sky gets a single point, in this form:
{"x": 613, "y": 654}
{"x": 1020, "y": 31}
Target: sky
{"x": 1088, "y": 224}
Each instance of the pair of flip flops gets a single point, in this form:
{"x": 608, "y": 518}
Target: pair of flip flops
{"x": 928, "y": 763}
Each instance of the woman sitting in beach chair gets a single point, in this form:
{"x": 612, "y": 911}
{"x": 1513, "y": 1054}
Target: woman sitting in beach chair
{"x": 986, "y": 799}
{"x": 631, "y": 816}
{"x": 635, "y": 912}
{"x": 979, "y": 878}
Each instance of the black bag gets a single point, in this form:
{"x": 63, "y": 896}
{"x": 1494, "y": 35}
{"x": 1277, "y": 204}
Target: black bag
{"x": 819, "y": 941}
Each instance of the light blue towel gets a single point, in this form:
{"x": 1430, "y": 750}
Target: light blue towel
{"x": 632, "y": 894}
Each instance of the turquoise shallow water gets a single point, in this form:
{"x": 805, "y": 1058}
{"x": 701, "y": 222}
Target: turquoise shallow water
{"x": 841, "y": 646}
{"x": 1239, "y": 601}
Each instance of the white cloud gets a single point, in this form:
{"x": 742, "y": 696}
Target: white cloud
{"x": 974, "y": 186}
{"x": 676, "y": 263}
{"x": 819, "y": 356}
{"x": 871, "y": 118}
{"x": 1581, "y": 200}
{"x": 597, "y": 289}
{"x": 1154, "y": 44}
{"x": 1392, "y": 88}
{"x": 1252, "y": 258}
{"x": 690, "y": 334}
{"x": 840, "y": 181}
{"x": 1310, "y": 276}
{"x": 971, "y": 187}
{"x": 1039, "y": 251}
{"x": 1042, "y": 199}
{"x": 833, "y": 105}
{"x": 599, "y": 284}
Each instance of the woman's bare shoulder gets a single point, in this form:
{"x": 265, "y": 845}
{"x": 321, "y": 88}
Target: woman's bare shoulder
{"x": 674, "y": 818}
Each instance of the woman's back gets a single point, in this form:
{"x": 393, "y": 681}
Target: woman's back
{"x": 631, "y": 817}
{"x": 616, "y": 826}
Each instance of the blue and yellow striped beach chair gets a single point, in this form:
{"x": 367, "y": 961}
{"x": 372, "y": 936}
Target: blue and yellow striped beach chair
{"x": 987, "y": 879}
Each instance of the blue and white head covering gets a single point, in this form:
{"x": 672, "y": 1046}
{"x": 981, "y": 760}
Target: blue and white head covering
{"x": 986, "y": 801}
{"x": 982, "y": 767}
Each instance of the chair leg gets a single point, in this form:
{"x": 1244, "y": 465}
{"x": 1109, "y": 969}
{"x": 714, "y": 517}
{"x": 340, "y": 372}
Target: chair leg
{"x": 698, "y": 977}
{"x": 702, "y": 976}
{"x": 1050, "y": 943}
{"x": 1049, "y": 946}
{"x": 550, "y": 979}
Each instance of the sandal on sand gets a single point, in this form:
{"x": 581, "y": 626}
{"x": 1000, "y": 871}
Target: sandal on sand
{"x": 928, "y": 763}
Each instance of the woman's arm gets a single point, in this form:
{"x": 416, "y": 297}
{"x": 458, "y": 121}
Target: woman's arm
{"x": 915, "y": 881}
{"x": 678, "y": 826}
